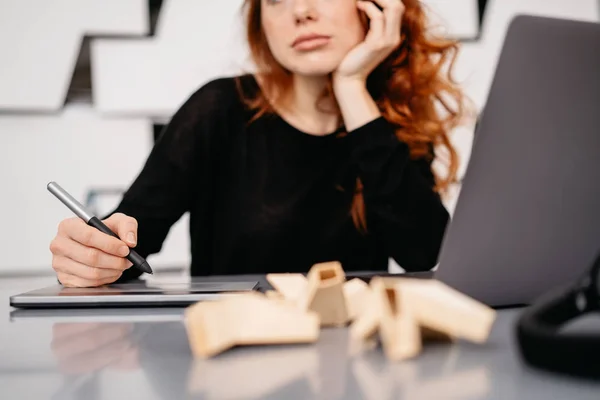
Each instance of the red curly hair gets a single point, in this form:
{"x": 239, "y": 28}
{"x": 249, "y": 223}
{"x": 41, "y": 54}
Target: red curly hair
{"x": 411, "y": 88}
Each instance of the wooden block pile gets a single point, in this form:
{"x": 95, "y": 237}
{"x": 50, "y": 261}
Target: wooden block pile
{"x": 400, "y": 312}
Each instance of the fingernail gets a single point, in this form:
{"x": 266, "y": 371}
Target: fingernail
{"x": 131, "y": 238}
{"x": 124, "y": 250}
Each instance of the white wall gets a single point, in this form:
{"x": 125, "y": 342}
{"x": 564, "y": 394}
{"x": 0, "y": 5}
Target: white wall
{"x": 75, "y": 147}
{"x": 136, "y": 80}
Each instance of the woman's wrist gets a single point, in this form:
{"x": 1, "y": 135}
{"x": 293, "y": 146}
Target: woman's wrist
{"x": 355, "y": 102}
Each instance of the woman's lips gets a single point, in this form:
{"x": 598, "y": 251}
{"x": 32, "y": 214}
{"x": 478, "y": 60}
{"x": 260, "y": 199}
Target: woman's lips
{"x": 310, "y": 42}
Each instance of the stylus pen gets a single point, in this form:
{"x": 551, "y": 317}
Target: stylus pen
{"x": 138, "y": 261}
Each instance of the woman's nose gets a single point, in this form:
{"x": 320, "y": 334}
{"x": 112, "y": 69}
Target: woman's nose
{"x": 304, "y": 9}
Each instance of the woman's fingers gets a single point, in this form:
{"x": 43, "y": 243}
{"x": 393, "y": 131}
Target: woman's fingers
{"x": 73, "y": 281}
{"x": 80, "y": 232}
{"x": 391, "y": 15}
{"x": 375, "y": 36}
{"x": 89, "y": 273}
{"x": 88, "y": 256}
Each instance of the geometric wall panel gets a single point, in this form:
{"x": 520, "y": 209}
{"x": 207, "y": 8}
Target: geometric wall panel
{"x": 194, "y": 42}
{"x": 459, "y": 18}
{"x": 40, "y": 42}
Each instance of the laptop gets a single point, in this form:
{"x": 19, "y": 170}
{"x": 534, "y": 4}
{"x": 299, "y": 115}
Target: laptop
{"x": 133, "y": 294}
{"x": 527, "y": 219}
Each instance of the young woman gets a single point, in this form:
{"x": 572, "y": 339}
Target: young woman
{"x": 324, "y": 153}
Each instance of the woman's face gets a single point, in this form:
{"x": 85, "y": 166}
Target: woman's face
{"x": 311, "y": 37}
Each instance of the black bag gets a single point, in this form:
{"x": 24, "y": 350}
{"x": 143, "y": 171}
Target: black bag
{"x": 540, "y": 341}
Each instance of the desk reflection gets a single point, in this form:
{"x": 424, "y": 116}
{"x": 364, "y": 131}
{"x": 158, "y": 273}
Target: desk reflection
{"x": 409, "y": 380}
{"x": 81, "y": 348}
{"x": 325, "y": 370}
{"x": 316, "y": 371}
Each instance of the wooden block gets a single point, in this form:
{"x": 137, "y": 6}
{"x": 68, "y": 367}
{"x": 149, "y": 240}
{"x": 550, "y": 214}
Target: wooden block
{"x": 210, "y": 327}
{"x": 274, "y": 295}
{"x": 398, "y": 328}
{"x": 400, "y": 312}
{"x": 406, "y": 312}
{"x": 366, "y": 323}
{"x": 386, "y": 315}
{"x": 356, "y": 292}
{"x": 431, "y": 335}
{"x": 447, "y": 311}
{"x": 292, "y": 287}
{"x": 325, "y": 294}
{"x": 324, "y": 290}
{"x": 249, "y": 319}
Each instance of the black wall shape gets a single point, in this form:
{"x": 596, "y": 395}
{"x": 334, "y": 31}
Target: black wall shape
{"x": 154, "y": 6}
{"x": 157, "y": 130}
{"x": 482, "y": 5}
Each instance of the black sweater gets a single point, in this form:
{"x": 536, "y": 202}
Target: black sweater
{"x": 266, "y": 197}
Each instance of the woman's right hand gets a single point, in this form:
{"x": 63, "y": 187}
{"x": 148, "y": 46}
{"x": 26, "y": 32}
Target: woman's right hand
{"x": 82, "y": 256}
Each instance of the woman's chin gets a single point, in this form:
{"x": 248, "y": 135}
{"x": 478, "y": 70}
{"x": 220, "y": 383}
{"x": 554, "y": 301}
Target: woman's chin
{"x": 313, "y": 70}
{"x": 314, "y": 65}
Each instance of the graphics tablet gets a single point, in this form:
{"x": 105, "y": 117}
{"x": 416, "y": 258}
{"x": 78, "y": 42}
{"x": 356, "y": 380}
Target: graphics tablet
{"x": 98, "y": 315}
{"x": 133, "y": 294}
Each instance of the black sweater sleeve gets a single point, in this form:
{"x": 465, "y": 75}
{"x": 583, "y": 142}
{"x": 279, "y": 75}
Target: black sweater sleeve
{"x": 165, "y": 188}
{"x": 402, "y": 208}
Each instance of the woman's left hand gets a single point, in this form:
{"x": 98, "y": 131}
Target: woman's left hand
{"x": 381, "y": 39}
